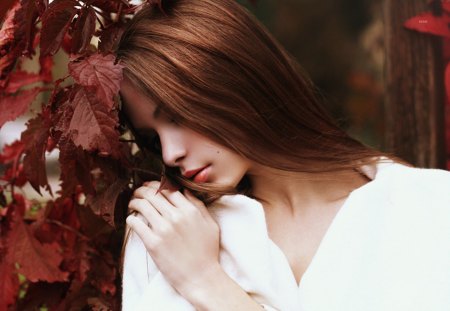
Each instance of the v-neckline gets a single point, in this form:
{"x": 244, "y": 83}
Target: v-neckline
{"x": 322, "y": 242}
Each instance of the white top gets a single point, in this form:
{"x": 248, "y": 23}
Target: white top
{"x": 387, "y": 249}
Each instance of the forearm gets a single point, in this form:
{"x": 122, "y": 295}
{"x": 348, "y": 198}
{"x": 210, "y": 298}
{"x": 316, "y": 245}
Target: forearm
{"x": 217, "y": 291}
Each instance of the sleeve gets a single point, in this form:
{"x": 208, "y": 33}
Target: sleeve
{"x": 138, "y": 271}
{"x": 143, "y": 285}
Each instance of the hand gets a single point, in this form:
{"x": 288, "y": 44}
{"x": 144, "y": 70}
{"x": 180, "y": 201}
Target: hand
{"x": 180, "y": 235}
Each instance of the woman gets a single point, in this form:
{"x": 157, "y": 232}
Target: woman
{"x": 229, "y": 112}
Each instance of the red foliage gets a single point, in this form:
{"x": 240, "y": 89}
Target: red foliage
{"x": 66, "y": 250}
{"x": 55, "y": 23}
{"x": 437, "y": 22}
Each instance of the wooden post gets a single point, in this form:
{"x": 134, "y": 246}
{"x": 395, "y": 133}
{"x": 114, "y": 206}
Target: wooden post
{"x": 414, "y": 94}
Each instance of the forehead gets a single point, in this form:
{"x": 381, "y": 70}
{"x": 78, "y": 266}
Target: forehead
{"x": 138, "y": 108}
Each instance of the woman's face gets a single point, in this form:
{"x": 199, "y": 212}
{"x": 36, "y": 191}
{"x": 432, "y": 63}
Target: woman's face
{"x": 197, "y": 157}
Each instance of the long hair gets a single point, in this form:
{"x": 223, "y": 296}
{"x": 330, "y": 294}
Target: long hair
{"x": 215, "y": 69}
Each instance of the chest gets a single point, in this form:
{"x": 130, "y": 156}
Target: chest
{"x": 299, "y": 237}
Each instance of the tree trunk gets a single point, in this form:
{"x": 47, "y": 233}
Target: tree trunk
{"x": 414, "y": 94}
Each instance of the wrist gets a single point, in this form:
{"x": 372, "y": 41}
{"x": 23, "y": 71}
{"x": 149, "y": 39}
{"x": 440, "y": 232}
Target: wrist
{"x": 215, "y": 290}
{"x": 203, "y": 287}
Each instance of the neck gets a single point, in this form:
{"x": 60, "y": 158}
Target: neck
{"x": 303, "y": 192}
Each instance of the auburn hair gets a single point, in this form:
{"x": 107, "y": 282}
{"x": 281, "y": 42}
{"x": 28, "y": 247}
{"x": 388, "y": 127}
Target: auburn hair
{"x": 215, "y": 69}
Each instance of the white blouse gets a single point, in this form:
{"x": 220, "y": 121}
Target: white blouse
{"x": 388, "y": 248}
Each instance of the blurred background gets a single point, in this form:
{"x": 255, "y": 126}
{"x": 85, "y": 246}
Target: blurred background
{"x": 340, "y": 45}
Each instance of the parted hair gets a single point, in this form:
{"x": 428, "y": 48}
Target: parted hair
{"x": 215, "y": 69}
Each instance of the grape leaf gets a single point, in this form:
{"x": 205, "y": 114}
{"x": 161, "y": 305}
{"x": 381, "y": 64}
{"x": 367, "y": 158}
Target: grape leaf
{"x": 55, "y": 22}
{"x": 5, "y": 5}
{"x": 109, "y": 38}
{"x": 26, "y": 19}
{"x": 13, "y": 106}
{"x": 83, "y": 30}
{"x": 100, "y": 72}
{"x": 11, "y": 152}
{"x": 103, "y": 204}
{"x": 35, "y": 138}
{"x": 429, "y": 23}
{"x": 7, "y": 41}
{"x": 36, "y": 261}
{"x": 103, "y": 269}
{"x": 19, "y": 79}
{"x": 92, "y": 126}
{"x": 7, "y": 30}
{"x": 75, "y": 169}
{"x": 16, "y": 36}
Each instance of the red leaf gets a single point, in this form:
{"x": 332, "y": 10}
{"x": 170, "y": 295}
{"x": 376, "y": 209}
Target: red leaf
{"x": 103, "y": 269}
{"x": 92, "y": 126}
{"x": 35, "y": 138}
{"x": 103, "y": 204}
{"x": 17, "y": 36}
{"x": 55, "y": 23}
{"x": 46, "y": 63}
{"x": 84, "y": 30}
{"x": 7, "y": 40}
{"x": 109, "y": 38}
{"x": 36, "y": 261}
{"x": 19, "y": 79}
{"x": 43, "y": 293}
{"x": 5, "y": 5}
{"x": 15, "y": 176}
{"x": 101, "y": 73}
{"x": 75, "y": 169}
{"x": 67, "y": 43}
{"x": 7, "y": 30}
{"x": 78, "y": 260}
{"x": 18, "y": 31}
{"x": 12, "y": 107}
{"x": 429, "y": 23}
{"x": 26, "y": 20}
{"x": 12, "y": 152}
{"x": 41, "y": 5}
{"x": 9, "y": 284}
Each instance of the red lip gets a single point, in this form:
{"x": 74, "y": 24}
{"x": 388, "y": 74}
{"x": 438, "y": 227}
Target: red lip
{"x": 189, "y": 174}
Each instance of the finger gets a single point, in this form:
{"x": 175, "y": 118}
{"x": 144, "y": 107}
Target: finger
{"x": 196, "y": 202}
{"x": 160, "y": 203}
{"x": 142, "y": 230}
{"x": 177, "y": 199}
{"x": 146, "y": 210}
{"x": 138, "y": 215}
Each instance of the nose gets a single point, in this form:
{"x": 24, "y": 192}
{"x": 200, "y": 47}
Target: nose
{"x": 173, "y": 150}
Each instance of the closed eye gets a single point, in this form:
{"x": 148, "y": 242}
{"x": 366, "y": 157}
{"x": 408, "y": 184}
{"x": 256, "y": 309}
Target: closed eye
{"x": 149, "y": 140}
